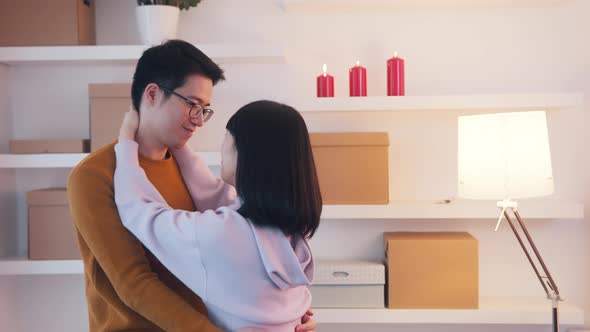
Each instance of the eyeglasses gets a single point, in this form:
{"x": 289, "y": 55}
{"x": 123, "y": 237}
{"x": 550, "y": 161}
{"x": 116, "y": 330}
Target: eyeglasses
{"x": 196, "y": 109}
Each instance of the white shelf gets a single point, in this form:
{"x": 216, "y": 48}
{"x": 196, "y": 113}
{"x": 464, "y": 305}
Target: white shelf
{"x": 493, "y": 310}
{"x": 69, "y": 160}
{"x": 21, "y": 266}
{"x": 46, "y": 160}
{"x": 344, "y": 5}
{"x": 461, "y": 209}
{"x": 129, "y": 54}
{"x": 491, "y": 102}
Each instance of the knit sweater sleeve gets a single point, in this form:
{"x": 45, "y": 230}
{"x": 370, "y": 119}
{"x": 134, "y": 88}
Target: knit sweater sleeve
{"x": 122, "y": 258}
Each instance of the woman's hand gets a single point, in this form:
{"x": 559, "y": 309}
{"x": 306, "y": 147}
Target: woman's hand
{"x": 130, "y": 124}
{"x": 308, "y": 324}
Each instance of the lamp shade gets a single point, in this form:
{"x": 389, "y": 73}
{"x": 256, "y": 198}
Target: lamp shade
{"x": 504, "y": 156}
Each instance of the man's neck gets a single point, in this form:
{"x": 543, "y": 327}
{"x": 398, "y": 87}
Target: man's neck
{"x": 149, "y": 147}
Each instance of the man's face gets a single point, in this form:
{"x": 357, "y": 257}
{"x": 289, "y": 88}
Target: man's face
{"x": 172, "y": 122}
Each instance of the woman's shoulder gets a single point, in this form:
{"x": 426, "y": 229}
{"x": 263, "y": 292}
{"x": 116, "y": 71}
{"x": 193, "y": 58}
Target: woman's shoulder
{"x": 228, "y": 215}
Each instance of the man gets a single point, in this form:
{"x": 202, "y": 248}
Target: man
{"x": 127, "y": 288}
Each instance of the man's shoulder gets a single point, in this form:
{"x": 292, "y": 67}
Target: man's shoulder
{"x": 100, "y": 162}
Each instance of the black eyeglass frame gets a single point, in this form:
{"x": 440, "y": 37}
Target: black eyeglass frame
{"x": 206, "y": 112}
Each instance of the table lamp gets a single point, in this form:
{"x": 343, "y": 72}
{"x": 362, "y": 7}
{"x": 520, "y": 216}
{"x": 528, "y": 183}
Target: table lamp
{"x": 504, "y": 157}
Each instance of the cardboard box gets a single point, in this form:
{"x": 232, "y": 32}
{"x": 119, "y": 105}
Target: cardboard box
{"x": 47, "y": 23}
{"x": 108, "y": 104}
{"x": 50, "y": 146}
{"x": 437, "y": 270}
{"x": 353, "y": 168}
{"x": 51, "y": 231}
{"x": 348, "y": 284}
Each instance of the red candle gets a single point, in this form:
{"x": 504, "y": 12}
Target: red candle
{"x": 357, "y": 78}
{"x": 395, "y": 76}
{"x": 325, "y": 84}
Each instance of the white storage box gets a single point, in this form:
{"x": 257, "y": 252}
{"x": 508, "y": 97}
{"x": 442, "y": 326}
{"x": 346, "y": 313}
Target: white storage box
{"x": 348, "y": 284}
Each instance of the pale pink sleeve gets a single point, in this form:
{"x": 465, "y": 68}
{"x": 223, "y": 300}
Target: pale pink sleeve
{"x": 208, "y": 191}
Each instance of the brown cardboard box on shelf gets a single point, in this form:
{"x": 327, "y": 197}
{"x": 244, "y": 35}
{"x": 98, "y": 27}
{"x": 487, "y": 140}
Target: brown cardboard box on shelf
{"x": 47, "y": 23}
{"x": 50, "y": 146}
{"x": 51, "y": 231}
{"x": 108, "y": 104}
{"x": 353, "y": 168}
{"x": 432, "y": 270}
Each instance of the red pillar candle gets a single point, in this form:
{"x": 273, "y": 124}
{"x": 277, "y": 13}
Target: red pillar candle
{"x": 395, "y": 76}
{"x": 325, "y": 84}
{"x": 357, "y": 78}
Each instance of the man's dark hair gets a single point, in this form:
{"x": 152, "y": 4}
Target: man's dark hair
{"x": 169, "y": 65}
{"x": 275, "y": 175}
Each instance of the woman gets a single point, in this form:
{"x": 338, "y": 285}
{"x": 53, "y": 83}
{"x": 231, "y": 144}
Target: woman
{"x": 250, "y": 262}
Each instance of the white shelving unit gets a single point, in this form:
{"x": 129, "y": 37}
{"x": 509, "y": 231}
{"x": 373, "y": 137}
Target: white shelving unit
{"x": 474, "y": 103}
{"x": 493, "y": 310}
{"x": 69, "y": 160}
{"x": 340, "y": 5}
{"x": 23, "y": 266}
{"x": 461, "y": 209}
{"x": 112, "y": 54}
{"x": 515, "y": 310}
{"x": 48, "y": 160}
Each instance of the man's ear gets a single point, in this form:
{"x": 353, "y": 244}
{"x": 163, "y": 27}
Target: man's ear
{"x": 151, "y": 93}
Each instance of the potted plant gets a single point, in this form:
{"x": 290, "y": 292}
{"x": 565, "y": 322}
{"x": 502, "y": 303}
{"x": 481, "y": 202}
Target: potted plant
{"x": 157, "y": 20}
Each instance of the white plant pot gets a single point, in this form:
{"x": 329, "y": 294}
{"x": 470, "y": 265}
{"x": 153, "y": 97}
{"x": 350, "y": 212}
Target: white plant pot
{"x": 157, "y": 23}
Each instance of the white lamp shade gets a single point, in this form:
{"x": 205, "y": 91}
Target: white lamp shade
{"x": 504, "y": 156}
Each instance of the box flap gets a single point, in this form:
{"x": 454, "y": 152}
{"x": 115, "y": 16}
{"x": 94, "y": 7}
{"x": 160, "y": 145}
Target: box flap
{"x": 49, "y": 196}
{"x": 349, "y": 139}
{"x": 427, "y": 236}
{"x": 348, "y": 273}
{"x": 49, "y": 146}
{"x": 109, "y": 90}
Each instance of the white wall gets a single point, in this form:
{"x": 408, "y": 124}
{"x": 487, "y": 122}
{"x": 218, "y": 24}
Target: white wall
{"x": 7, "y": 198}
{"x": 7, "y": 179}
{"x": 452, "y": 50}
{"x": 448, "y": 50}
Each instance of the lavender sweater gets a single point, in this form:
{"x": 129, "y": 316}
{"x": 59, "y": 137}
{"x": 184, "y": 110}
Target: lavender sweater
{"x": 247, "y": 276}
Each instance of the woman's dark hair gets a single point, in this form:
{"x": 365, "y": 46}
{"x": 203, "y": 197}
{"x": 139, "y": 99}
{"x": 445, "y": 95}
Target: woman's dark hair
{"x": 276, "y": 176}
{"x": 169, "y": 65}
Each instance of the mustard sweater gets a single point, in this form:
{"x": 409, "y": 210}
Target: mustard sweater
{"x": 127, "y": 288}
